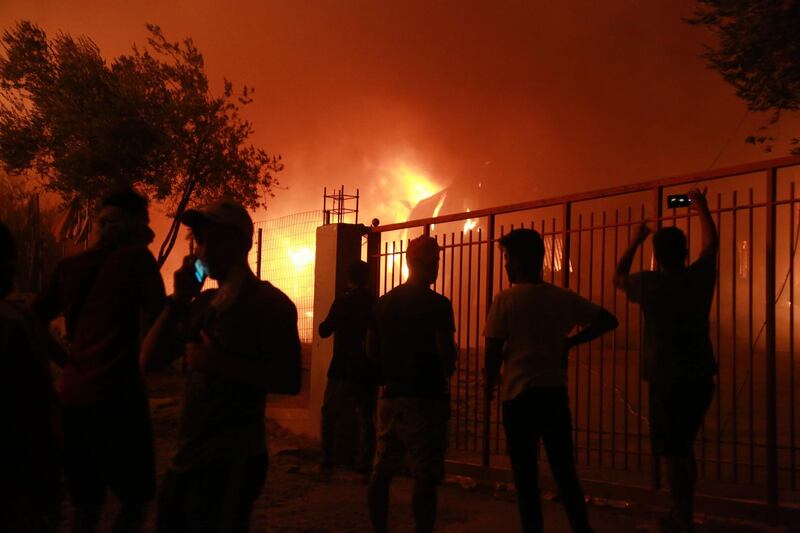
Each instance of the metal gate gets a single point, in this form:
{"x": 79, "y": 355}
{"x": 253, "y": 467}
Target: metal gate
{"x": 748, "y": 446}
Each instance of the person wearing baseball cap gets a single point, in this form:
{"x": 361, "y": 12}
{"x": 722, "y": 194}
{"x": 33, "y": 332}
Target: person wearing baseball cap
{"x": 239, "y": 342}
{"x": 412, "y": 338}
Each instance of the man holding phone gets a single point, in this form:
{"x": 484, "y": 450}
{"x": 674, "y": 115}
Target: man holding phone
{"x": 240, "y": 342}
{"x": 678, "y": 357}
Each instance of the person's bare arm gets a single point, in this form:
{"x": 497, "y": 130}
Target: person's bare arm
{"x": 494, "y": 360}
{"x": 602, "y": 324}
{"x": 328, "y": 326}
{"x": 625, "y": 262}
{"x": 162, "y": 344}
{"x": 708, "y": 228}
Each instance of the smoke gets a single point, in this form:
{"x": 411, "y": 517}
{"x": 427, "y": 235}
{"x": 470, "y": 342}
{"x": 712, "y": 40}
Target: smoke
{"x": 496, "y": 102}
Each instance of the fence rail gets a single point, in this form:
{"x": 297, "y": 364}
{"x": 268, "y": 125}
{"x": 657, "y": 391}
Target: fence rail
{"x": 748, "y": 446}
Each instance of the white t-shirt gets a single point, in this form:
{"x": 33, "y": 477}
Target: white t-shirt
{"x": 534, "y": 320}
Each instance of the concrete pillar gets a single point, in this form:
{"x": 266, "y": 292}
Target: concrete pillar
{"x": 338, "y": 245}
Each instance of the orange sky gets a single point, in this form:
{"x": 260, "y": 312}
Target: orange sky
{"x": 531, "y": 98}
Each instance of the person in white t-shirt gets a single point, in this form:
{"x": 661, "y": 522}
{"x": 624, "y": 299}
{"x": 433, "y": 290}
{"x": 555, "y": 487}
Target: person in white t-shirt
{"x": 529, "y": 333}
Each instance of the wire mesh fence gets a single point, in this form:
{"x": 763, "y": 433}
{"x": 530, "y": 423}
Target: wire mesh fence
{"x": 283, "y": 254}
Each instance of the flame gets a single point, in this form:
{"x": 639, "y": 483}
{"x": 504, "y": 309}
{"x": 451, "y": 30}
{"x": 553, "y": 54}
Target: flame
{"x": 438, "y": 208}
{"x": 403, "y": 186}
{"x": 301, "y": 257}
{"x": 470, "y": 224}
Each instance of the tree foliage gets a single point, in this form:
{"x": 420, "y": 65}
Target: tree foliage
{"x": 148, "y": 118}
{"x": 758, "y": 53}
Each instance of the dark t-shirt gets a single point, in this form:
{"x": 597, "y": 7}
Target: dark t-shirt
{"x": 676, "y": 306}
{"x": 405, "y": 322}
{"x": 220, "y": 418}
{"x": 348, "y": 320}
{"x": 105, "y": 294}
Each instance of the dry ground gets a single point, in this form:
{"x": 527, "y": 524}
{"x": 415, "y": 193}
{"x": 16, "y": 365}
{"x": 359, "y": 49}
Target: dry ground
{"x": 297, "y": 499}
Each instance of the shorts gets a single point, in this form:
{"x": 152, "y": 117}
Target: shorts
{"x": 677, "y": 411}
{"x": 412, "y": 428}
{"x": 109, "y": 446}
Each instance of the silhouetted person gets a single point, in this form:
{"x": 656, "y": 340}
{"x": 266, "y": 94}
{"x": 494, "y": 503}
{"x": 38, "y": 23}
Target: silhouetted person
{"x": 108, "y": 295}
{"x": 352, "y": 377}
{"x": 240, "y": 341}
{"x": 528, "y": 333}
{"x": 30, "y": 485}
{"x": 678, "y": 358}
{"x": 412, "y": 337}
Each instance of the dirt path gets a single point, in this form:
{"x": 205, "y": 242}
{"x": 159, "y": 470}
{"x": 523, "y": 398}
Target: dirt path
{"x": 298, "y": 499}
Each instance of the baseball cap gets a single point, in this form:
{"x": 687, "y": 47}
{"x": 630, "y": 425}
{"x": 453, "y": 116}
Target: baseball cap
{"x": 424, "y": 249}
{"x": 224, "y": 212}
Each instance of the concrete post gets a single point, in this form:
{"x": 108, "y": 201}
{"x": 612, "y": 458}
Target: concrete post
{"x": 338, "y": 245}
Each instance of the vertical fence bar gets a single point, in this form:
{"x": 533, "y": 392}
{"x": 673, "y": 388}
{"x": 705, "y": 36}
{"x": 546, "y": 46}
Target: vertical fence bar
{"x": 577, "y": 409}
{"x": 614, "y": 352}
{"x": 374, "y": 261}
{"x": 719, "y": 345}
{"x": 658, "y": 198}
{"x": 478, "y": 315}
{"x": 639, "y": 381}
{"x": 497, "y": 411}
{"x": 444, "y": 261}
{"x": 395, "y": 262}
{"x": 601, "y": 384}
{"x": 589, "y": 348}
{"x": 792, "y": 450}
{"x": 625, "y": 423}
{"x": 468, "y": 337}
{"x": 566, "y": 213}
{"x": 259, "y": 243}
{"x": 487, "y": 407}
{"x": 751, "y": 399}
{"x": 403, "y": 248}
{"x": 771, "y": 399}
{"x": 386, "y": 267}
{"x": 460, "y": 300}
{"x": 553, "y": 252}
{"x": 734, "y": 366}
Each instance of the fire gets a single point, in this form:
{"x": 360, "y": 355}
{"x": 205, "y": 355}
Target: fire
{"x": 408, "y": 186}
{"x": 470, "y": 224}
{"x": 301, "y": 257}
{"x": 438, "y": 208}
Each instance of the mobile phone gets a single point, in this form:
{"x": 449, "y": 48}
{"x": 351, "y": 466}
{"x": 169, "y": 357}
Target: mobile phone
{"x": 200, "y": 271}
{"x": 678, "y": 200}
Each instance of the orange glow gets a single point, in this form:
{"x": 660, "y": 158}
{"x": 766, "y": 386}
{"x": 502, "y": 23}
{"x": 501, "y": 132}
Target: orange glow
{"x": 438, "y": 208}
{"x": 301, "y": 257}
{"x": 409, "y": 186}
{"x": 470, "y": 224}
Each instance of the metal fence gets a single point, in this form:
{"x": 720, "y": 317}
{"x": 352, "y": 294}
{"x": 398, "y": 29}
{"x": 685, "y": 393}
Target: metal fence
{"x": 283, "y": 254}
{"x": 748, "y": 446}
